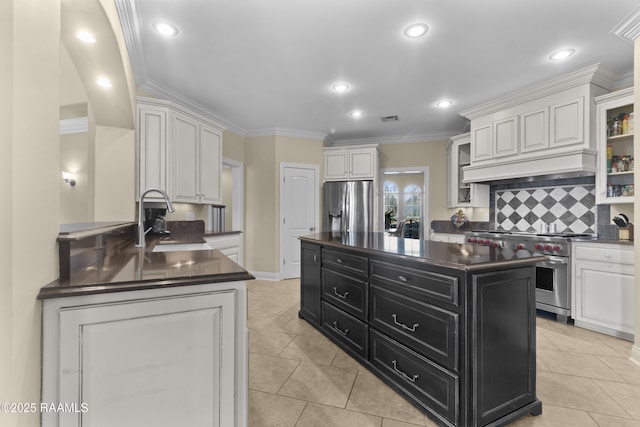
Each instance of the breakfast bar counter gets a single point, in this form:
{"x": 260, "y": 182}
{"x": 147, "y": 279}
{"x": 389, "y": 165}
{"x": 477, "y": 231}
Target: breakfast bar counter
{"x": 451, "y": 327}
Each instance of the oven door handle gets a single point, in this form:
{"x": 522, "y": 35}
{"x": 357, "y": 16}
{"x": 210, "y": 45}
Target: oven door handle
{"x": 556, "y": 260}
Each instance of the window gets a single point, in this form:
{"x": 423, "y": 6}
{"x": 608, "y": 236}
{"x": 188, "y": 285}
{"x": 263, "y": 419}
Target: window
{"x": 412, "y": 206}
{"x": 390, "y": 205}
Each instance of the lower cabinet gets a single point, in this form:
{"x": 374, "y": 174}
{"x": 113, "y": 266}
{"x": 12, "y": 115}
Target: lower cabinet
{"x": 161, "y": 357}
{"x": 436, "y": 335}
{"x": 603, "y": 280}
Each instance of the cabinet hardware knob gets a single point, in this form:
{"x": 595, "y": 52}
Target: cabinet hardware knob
{"x": 402, "y": 325}
{"x": 315, "y": 257}
{"x": 335, "y": 326}
{"x": 411, "y": 378}
{"x": 312, "y": 228}
{"x": 343, "y": 296}
{"x": 402, "y": 278}
{"x": 607, "y": 255}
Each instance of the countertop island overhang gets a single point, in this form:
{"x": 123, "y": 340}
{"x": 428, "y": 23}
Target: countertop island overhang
{"x": 450, "y": 327}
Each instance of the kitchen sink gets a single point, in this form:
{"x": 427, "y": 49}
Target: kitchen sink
{"x": 171, "y": 247}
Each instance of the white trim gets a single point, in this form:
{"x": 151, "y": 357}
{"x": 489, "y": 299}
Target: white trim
{"x": 316, "y": 220}
{"x": 440, "y": 136}
{"x": 427, "y": 195}
{"x": 629, "y": 28}
{"x": 75, "y": 125}
{"x": 292, "y": 133}
{"x": 266, "y": 275}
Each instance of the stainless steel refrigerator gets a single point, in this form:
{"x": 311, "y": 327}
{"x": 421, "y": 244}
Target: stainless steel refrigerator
{"x": 348, "y": 206}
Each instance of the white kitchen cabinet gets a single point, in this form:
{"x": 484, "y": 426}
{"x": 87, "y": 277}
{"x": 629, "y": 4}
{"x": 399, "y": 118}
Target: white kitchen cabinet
{"x": 603, "y": 288}
{"x": 161, "y": 357}
{"x": 152, "y": 149}
{"x": 353, "y": 163}
{"x": 196, "y": 159}
{"x": 546, "y": 129}
{"x": 613, "y": 184}
{"x": 229, "y": 244}
{"x": 178, "y": 151}
{"x": 461, "y": 194}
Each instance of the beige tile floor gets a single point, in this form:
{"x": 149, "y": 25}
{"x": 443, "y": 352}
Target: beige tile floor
{"x": 297, "y": 377}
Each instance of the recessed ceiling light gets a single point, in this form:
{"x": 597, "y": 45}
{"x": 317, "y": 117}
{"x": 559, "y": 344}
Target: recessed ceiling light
{"x": 86, "y": 37}
{"x": 356, "y": 114}
{"x": 165, "y": 29}
{"x": 340, "y": 87}
{"x": 104, "y": 83}
{"x": 416, "y": 30}
{"x": 561, "y": 54}
{"x": 444, "y": 103}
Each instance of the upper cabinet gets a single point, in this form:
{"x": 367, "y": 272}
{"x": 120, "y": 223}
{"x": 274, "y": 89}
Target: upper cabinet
{"x": 352, "y": 163}
{"x": 461, "y": 194}
{"x": 614, "y": 136}
{"x": 546, "y": 129}
{"x": 179, "y": 152}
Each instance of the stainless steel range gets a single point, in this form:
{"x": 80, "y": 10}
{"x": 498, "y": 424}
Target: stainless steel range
{"x": 553, "y": 275}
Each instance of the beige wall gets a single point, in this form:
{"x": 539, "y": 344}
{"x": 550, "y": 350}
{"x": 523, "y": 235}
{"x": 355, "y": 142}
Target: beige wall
{"x": 76, "y": 203}
{"x": 423, "y": 154}
{"x": 30, "y": 172}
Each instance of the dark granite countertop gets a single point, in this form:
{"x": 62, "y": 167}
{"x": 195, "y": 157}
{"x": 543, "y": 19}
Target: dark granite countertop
{"x": 116, "y": 265}
{"x": 452, "y": 255}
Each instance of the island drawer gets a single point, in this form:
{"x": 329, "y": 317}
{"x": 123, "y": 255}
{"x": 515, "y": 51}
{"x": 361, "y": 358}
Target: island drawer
{"x": 345, "y": 262}
{"x": 432, "y": 387}
{"x": 416, "y": 283}
{"x": 423, "y": 327}
{"x": 345, "y": 292}
{"x": 346, "y": 329}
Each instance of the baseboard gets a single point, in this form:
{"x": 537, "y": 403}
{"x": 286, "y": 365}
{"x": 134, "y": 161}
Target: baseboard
{"x": 635, "y": 354}
{"x": 266, "y": 275}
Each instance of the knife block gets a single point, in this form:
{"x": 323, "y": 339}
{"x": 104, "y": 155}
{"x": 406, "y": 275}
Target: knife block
{"x": 626, "y": 233}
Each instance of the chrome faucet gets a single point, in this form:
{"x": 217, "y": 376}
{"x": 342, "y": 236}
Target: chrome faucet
{"x": 141, "y": 231}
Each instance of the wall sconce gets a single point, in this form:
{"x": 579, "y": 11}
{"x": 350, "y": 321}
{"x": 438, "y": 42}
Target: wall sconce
{"x": 69, "y": 178}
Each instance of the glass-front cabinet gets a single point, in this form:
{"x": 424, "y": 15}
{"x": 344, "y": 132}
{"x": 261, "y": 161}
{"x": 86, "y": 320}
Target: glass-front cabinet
{"x": 461, "y": 194}
{"x": 614, "y": 133}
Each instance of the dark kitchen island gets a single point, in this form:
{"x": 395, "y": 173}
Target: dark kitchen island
{"x": 451, "y": 327}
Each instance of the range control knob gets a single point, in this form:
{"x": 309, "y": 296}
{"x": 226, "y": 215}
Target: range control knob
{"x": 498, "y": 244}
{"x": 474, "y": 240}
{"x": 547, "y": 247}
{"x": 469, "y": 240}
{"x": 538, "y": 246}
{"x": 487, "y": 242}
{"x": 521, "y": 246}
{"x": 557, "y": 248}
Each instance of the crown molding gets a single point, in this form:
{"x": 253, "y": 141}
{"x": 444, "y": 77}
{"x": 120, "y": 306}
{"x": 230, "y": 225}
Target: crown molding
{"x": 629, "y": 28}
{"x": 597, "y": 74}
{"x": 132, "y": 31}
{"x": 75, "y": 125}
{"x": 433, "y": 137}
{"x": 291, "y": 133}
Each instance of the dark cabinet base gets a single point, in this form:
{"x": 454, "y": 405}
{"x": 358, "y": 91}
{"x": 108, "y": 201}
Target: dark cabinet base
{"x": 458, "y": 344}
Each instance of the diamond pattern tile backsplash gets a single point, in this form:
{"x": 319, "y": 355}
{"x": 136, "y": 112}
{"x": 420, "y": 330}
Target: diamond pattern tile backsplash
{"x": 572, "y": 208}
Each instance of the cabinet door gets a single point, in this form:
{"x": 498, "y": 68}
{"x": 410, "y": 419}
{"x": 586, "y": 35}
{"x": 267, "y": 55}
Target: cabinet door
{"x": 210, "y": 165}
{"x": 127, "y": 360}
{"x": 604, "y": 296}
{"x": 310, "y": 283}
{"x": 152, "y": 149}
{"x": 506, "y": 137}
{"x": 185, "y": 155}
{"x": 481, "y": 142}
{"x": 336, "y": 165}
{"x": 534, "y": 130}
{"x": 567, "y": 123}
{"x": 361, "y": 164}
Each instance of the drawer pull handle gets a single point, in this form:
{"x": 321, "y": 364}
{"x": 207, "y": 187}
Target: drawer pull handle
{"x": 339, "y": 261}
{"x": 345, "y": 332}
{"x": 335, "y": 292}
{"x": 315, "y": 257}
{"x": 402, "y": 278}
{"x": 402, "y": 325}
{"x": 412, "y": 378}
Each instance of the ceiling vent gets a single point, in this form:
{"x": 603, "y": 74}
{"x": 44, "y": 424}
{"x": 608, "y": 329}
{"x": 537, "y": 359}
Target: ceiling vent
{"x": 389, "y": 119}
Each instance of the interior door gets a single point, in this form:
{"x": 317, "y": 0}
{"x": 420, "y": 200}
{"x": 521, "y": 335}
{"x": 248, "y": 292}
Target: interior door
{"x": 299, "y": 198}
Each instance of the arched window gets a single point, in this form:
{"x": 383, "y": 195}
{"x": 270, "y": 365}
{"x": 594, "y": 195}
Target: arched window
{"x": 412, "y": 198}
{"x": 390, "y": 205}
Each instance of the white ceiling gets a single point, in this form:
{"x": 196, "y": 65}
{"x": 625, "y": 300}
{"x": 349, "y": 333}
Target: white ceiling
{"x": 267, "y": 67}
